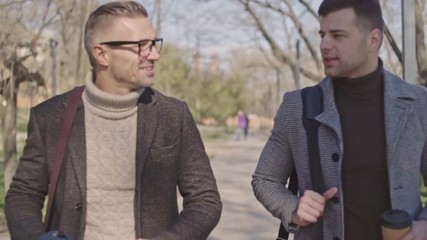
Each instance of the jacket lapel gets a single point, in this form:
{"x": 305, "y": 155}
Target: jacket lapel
{"x": 146, "y": 127}
{"x": 77, "y": 149}
{"x": 330, "y": 116}
{"x": 397, "y": 107}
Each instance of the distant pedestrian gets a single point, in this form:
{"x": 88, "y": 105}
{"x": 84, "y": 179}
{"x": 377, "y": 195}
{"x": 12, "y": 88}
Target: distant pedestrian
{"x": 246, "y": 130}
{"x": 242, "y": 125}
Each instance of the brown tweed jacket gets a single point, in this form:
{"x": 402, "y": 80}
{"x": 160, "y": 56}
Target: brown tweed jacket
{"x": 170, "y": 153}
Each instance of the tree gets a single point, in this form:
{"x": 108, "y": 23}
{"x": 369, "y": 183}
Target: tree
{"x": 28, "y": 27}
{"x": 173, "y": 73}
{"x": 209, "y": 95}
{"x": 74, "y": 64}
{"x": 20, "y": 48}
{"x": 286, "y": 12}
{"x": 420, "y": 9}
{"x": 221, "y": 96}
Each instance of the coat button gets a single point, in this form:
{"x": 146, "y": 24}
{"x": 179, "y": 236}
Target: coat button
{"x": 335, "y": 157}
{"x": 78, "y": 207}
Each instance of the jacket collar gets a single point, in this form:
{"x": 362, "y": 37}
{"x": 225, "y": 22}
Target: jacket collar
{"x": 398, "y": 98}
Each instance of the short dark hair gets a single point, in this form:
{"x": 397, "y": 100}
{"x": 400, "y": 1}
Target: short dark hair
{"x": 102, "y": 15}
{"x": 368, "y": 11}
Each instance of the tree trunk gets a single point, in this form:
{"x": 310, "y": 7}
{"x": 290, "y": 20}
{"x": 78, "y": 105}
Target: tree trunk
{"x": 159, "y": 18}
{"x": 10, "y": 159}
{"x": 85, "y": 8}
{"x": 420, "y": 44}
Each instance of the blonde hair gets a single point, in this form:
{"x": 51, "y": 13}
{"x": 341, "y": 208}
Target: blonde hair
{"x": 103, "y": 14}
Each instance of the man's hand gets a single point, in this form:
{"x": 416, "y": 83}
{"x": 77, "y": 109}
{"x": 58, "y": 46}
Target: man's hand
{"x": 311, "y": 206}
{"x": 418, "y": 231}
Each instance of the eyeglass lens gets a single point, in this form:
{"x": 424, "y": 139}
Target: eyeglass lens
{"x": 145, "y": 47}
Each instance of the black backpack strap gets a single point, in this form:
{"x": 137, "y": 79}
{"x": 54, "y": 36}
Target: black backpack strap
{"x": 312, "y": 106}
{"x": 312, "y": 101}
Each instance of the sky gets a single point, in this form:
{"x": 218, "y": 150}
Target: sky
{"x": 213, "y": 26}
{"x": 218, "y": 26}
{"x": 207, "y": 25}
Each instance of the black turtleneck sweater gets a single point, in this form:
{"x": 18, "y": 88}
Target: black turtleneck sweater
{"x": 364, "y": 168}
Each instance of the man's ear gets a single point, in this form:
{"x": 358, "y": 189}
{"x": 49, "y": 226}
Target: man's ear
{"x": 100, "y": 55}
{"x": 375, "y": 39}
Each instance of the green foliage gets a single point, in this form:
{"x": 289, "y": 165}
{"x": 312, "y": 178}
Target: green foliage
{"x": 212, "y": 134}
{"x": 23, "y": 114}
{"x": 423, "y": 191}
{"x": 220, "y": 97}
{"x": 2, "y": 196}
{"x": 209, "y": 95}
{"x": 173, "y": 72}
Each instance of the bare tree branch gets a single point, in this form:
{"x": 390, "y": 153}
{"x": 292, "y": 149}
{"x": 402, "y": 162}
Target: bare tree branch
{"x": 270, "y": 62}
{"x": 310, "y": 9}
{"x": 45, "y": 22}
{"x": 20, "y": 73}
{"x": 84, "y": 12}
{"x": 7, "y": 35}
{"x": 5, "y": 5}
{"x": 292, "y": 15}
{"x": 393, "y": 43}
{"x": 298, "y": 25}
{"x": 278, "y": 52}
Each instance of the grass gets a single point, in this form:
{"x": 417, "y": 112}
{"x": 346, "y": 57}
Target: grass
{"x": 423, "y": 192}
{"x": 22, "y": 116}
{"x": 2, "y": 195}
{"x": 21, "y": 128}
{"x": 212, "y": 134}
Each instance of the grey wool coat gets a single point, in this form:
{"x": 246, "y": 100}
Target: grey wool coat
{"x": 405, "y": 114}
{"x": 169, "y": 153}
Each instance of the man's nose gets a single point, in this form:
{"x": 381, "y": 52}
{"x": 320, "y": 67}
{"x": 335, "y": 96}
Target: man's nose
{"x": 154, "y": 54}
{"x": 325, "y": 44}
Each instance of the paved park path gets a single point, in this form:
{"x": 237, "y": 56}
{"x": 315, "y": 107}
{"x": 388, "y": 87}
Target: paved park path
{"x": 243, "y": 217}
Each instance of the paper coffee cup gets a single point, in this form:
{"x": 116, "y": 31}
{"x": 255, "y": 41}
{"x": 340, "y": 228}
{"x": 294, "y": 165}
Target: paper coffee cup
{"x": 395, "y": 224}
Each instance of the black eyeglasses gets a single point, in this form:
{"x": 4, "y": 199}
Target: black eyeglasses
{"x": 145, "y": 46}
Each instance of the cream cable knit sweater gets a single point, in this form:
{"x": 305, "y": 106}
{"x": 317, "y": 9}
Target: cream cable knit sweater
{"x": 110, "y": 124}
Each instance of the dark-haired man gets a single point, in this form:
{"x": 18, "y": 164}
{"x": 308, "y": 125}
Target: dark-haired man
{"x": 372, "y": 138}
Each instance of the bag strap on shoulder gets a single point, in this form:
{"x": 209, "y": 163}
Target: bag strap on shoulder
{"x": 312, "y": 106}
{"x": 312, "y": 102}
{"x": 66, "y": 123}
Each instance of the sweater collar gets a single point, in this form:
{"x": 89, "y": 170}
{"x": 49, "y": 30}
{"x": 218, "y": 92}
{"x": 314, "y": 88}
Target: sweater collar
{"x": 109, "y": 105}
{"x": 362, "y": 87}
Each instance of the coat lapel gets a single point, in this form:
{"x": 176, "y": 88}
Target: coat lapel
{"x": 397, "y": 107}
{"x": 77, "y": 149}
{"x": 146, "y": 127}
{"x": 330, "y": 116}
